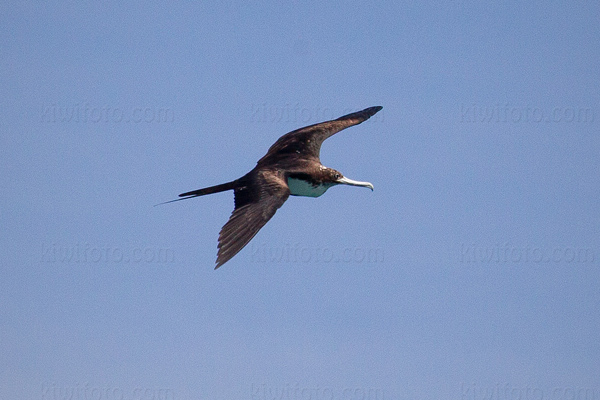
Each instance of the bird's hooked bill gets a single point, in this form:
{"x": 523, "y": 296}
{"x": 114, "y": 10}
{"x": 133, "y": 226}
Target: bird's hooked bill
{"x": 347, "y": 181}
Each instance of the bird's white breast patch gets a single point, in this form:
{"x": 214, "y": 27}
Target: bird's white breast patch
{"x": 300, "y": 187}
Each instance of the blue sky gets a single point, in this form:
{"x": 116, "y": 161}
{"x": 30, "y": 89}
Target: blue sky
{"x": 470, "y": 272}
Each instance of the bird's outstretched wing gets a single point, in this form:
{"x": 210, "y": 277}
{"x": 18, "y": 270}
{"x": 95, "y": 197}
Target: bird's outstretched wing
{"x": 307, "y": 141}
{"x": 254, "y": 206}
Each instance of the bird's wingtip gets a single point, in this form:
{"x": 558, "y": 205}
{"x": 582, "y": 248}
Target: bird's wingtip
{"x": 363, "y": 114}
{"x": 373, "y": 110}
{"x": 218, "y": 262}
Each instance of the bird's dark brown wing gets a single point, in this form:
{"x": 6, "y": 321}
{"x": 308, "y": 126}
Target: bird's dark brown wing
{"x": 307, "y": 141}
{"x": 255, "y": 204}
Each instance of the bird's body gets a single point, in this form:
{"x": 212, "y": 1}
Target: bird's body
{"x": 290, "y": 167}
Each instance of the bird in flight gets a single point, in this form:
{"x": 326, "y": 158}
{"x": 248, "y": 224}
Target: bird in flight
{"x": 290, "y": 167}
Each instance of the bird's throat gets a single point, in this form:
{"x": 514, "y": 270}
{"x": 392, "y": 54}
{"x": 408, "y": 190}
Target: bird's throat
{"x": 300, "y": 187}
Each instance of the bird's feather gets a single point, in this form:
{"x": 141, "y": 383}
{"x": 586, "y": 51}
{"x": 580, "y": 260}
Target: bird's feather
{"x": 307, "y": 141}
{"x": 254, "y": 206}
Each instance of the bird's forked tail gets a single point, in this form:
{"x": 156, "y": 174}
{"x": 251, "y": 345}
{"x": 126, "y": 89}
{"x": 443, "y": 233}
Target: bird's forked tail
{"x": 201, "y": 192}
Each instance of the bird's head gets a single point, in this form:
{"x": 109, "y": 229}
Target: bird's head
{"x": 337, "y": 178}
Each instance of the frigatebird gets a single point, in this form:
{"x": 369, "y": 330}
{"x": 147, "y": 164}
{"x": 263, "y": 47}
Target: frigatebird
{"x": 290, "y": 167}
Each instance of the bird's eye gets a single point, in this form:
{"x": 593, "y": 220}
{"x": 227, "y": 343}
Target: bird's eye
{"x": 337, "y": 176}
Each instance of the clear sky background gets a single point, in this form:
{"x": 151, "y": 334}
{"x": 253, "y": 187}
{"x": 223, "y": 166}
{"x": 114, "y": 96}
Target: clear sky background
{"x": 472, "y": 270}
